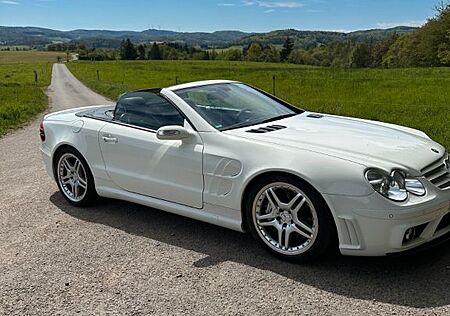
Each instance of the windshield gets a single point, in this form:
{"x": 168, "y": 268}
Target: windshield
{"x": 232, "y": 105}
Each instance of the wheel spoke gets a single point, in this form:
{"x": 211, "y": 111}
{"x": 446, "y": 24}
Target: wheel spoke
{"x": 287, "y": 234}
{"x": 298, "y": 222}
{"x": 82, "y": 183}
{"x": 76, "y": 166}
{"x": 271, "y": 213}
{"x": 67, "y": 165}
{"x": 76, "y": 190}
{"x": 294, "y": 200}
{"x": 280, "y": 229}
{"x": 266, "y": 216}
{"x": 301, "y": 232}
{"x": 298, "y": 207}
{"x": 273, "y": 198}
{"x": 273, "y": 223}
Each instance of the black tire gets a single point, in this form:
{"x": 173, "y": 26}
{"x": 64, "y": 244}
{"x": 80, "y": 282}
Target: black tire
{"x": 90, "y": 196}
{"x": 326, "y": 235}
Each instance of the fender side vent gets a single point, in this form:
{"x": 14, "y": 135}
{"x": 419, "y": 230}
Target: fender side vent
{"x": 266, "y": 129}
{"x": 314, "y": 115}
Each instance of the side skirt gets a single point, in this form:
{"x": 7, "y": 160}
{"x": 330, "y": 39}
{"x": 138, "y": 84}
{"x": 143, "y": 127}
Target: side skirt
{"x": 213, "y": 214}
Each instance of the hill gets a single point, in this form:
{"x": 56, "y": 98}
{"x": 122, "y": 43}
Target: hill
{"x": 308, "y": 39}
{"x": 107, "y": 38}
{"x": 38, "y": 36}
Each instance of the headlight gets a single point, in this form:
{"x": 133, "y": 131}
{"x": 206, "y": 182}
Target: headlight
{"x": 394, "y": 186}
{"x": 415, "y": 187}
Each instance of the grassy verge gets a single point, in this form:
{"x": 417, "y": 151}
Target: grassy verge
{"x": 21, "y": 97}
{"x": 418, "y": 98}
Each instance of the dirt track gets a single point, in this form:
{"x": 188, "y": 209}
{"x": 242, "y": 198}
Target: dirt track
{"x": 122, "y": 258}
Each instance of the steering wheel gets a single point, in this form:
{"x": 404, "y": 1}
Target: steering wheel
{"x": 243, "y": 115}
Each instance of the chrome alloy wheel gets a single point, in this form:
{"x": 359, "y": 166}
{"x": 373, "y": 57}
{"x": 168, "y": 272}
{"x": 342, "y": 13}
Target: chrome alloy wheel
{"x": 72, "y": 177}
{"x": 285, "y": 218}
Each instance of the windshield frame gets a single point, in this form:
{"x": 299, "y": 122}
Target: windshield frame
{"x": 291, "y": 107}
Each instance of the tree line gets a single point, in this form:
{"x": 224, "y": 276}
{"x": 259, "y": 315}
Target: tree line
{"x": 426, "y": 47}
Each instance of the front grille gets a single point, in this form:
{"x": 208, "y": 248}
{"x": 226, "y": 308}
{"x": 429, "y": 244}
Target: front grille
{"x": 445, "y": 222}
{"x": 438, "y": 172}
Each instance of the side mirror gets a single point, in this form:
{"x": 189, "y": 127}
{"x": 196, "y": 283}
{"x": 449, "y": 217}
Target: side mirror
{"x": 172, "y": 132}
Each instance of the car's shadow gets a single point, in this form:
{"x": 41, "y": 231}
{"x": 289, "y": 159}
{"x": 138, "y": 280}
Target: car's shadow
{"x": 421, "y": 281}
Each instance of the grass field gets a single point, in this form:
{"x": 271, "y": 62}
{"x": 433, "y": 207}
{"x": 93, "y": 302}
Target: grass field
{"x": 20, "y": 97}
{"x": 418, "y": 98}
{"x": 7, "y": 57}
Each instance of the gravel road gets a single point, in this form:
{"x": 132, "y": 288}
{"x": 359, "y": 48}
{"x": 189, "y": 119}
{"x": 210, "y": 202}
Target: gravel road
{"x": 124, "y": 259}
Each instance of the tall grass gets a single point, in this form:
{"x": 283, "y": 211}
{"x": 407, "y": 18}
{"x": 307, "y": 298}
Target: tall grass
{"x": 418, "y": 98}
{"x": 20, "y": 96}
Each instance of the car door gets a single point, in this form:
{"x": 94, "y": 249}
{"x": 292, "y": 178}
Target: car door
{"x": 137, "y": 161}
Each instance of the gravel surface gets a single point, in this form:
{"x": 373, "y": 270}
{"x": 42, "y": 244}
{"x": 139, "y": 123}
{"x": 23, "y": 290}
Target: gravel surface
{"x": 124, "y": 259}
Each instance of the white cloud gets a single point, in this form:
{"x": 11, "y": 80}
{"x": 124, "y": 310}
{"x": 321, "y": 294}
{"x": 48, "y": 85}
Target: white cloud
{"x": 226, "y": 4}
{"x": 387, "y": 25}
{"x": 9, "y": 2}
{"x": 290, "y": 5}
{"x": 269, "y": 11}
{"x": 273, "y": 4}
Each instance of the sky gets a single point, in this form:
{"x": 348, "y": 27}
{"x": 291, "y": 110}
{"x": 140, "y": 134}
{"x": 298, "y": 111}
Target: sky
{"x": 213, "y": 15}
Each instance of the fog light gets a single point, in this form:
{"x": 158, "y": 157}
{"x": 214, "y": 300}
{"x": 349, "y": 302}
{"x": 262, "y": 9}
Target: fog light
{"x": 409, "y": 234}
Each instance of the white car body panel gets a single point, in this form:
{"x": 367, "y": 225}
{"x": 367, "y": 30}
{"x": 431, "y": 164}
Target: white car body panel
{"x": 141, "y": 163}
{"x": 205, "y": 176}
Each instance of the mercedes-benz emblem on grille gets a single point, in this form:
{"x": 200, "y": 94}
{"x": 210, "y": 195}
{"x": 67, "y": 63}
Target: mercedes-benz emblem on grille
{"x": 435, "y": 150}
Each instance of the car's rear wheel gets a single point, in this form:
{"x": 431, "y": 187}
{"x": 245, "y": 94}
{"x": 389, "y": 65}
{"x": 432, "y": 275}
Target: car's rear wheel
{"x": 289, "y": 218}
{"x": 74, "y": 178}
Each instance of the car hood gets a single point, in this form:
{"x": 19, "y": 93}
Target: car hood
{"x": 370, "y": 143}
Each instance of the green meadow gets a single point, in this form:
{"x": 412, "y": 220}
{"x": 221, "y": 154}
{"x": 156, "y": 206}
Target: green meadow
{"x": 21, "y": 98}
{"x": 8, "y": 57}
{"x": 417, "y": 97}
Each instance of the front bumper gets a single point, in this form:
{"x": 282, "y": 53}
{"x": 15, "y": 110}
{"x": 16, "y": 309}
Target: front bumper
{"x": 375, "y": 226}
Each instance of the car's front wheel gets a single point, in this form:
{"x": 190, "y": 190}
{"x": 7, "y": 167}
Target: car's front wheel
{"x": 74, "y": 178}
{"x": 289, "y": 218}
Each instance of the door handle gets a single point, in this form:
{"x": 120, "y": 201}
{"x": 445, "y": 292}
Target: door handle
{"x": 109, "y": 139}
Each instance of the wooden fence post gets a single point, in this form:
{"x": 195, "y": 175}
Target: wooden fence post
{"x": 273, "y": 85}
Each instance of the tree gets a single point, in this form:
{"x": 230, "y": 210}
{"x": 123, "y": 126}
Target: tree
{"x": 288, "y": 47}
{"x": 300, "y": 56}
{"x": 426, "y": 47}
{"x": 254, "y": 52}
{"x": 141, "y": 51}
{"x": 271, "y": 54}
{"x": 213, "y": 54}
{"x": 127, "y": 50}
{"x": 360, "y": 57}
{"x": 380, "y": 49}
{"x": 444, "y": 51}
{"x": 155, "y": 52}
{"x": 232, "y": 54}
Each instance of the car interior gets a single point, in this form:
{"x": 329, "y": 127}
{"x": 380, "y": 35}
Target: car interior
{"x": 147, "y": 110}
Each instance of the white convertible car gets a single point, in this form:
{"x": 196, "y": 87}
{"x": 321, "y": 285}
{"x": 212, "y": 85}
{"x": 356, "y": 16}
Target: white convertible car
{"x": 229, "y": 154}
